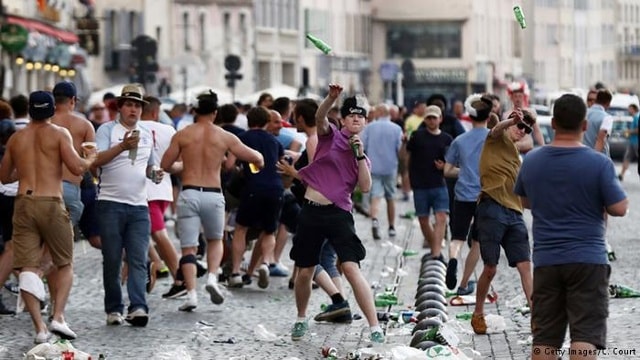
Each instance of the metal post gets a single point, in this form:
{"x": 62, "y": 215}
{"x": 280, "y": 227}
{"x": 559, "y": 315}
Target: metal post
{"x": 184, "y": 84}
{"x": 399, "y": 90}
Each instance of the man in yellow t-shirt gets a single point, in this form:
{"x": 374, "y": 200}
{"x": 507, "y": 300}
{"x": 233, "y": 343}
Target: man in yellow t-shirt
{"x": 499, "y": 210}
{"x": 414, "y": 120}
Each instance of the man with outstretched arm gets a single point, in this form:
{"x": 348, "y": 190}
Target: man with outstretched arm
{"x": 338, "y": 166}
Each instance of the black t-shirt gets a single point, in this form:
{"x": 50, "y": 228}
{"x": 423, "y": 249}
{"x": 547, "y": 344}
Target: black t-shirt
{"x": 424, "y": 148}
{"x": 268, "y": 179}
{"x": 226, "y": 176}
{"x": 235, "y": 130}
{"x": 298, "y": 189}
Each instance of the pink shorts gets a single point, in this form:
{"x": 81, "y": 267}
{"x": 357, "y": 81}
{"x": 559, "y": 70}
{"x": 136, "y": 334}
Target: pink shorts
{"x": 156, "y": 213}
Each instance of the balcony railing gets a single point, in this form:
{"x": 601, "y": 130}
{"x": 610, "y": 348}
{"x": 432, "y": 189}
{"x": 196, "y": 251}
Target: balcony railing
{"x": 629, "y": 50}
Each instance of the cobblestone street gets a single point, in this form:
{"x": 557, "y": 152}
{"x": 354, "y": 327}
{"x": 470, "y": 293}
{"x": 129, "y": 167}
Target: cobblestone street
{"x": 204, "y": 333}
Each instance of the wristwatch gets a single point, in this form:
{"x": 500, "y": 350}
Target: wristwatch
{"x": 361, "y": 157}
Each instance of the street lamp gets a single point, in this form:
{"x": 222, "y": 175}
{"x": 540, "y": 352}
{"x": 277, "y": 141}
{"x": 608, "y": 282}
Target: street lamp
{"x": 19, "y": 60}
{"x": 28, "y": 65}
{"x": 63, "y": 72}
{"x": 37, "y": 65}
{"x": 71, "y": 72}
{"x": 55, "y": 68}
{"x": 46, "y": 67}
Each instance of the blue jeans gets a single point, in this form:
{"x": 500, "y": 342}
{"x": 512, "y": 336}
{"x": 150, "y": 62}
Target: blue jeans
{"x": 124, "y": 227}
{"x": 72, "y": 200}
{"x": 328, "y": 259}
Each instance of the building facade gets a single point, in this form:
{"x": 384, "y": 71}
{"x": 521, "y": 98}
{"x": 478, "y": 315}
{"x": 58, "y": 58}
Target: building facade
{"x": 467, "y": 46}
{"x": 201, "y": 34}
{"x": 570, "y": 44}
{"x": 120, "y": 21}
{"x": 627, "y": 18}
{"x": 346, "y": 26}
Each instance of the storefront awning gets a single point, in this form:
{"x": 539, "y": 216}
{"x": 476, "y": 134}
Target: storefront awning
{"x": 43, "y": 28}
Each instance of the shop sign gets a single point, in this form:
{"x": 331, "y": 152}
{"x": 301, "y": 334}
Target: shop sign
{"x": 13, "y": 38}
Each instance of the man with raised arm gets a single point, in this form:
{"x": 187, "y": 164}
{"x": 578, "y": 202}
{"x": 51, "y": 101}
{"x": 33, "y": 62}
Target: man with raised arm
{"x": 338, "y": 166}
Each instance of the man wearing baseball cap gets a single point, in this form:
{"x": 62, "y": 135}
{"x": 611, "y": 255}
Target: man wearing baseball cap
{"x": 81, "y": 131}
{"x": 427, "y": 147}
{"x": 126, "y": 156}
{"x": 39, "y": 214}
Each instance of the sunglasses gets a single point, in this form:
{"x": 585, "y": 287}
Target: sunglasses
{"x": 527, "y": 129}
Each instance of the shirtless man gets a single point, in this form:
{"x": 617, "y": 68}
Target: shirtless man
{"x": 81, "y": 131}
{"x": 202, "y": 147}
{"x": 40, "y": 215}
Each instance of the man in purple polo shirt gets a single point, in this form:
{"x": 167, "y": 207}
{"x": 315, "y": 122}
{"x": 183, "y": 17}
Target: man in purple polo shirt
{"x": 338, "y": 166}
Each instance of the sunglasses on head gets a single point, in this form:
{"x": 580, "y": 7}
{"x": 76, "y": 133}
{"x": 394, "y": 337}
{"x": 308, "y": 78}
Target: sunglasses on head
{"x": 527, "y": 129}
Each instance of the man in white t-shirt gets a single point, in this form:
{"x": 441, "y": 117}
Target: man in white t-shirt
{"x": 20, "y": 106}
{"x": 159, "y": 196}
{"x": 126, "y": 157}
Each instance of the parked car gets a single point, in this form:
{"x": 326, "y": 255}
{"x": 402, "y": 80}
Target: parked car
{"x": 544, "y": 123}
{"x": 541, "y": 109}
{"x": 618, "y": 142}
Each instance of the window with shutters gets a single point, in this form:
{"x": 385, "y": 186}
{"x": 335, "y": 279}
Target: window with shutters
{"x": 185, "y": 31}
{"x": 203, "y": 43}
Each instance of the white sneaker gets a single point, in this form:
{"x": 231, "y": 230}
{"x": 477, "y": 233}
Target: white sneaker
{"x": 138, "y": 317}
{"x": 191, "y": 303}
{"x": 213, "y": 289}
{"x": 115, "y": 318}
{"x": 263, "y": 276}
{"x": 42, "y": 337}
{"x": 62, "y": 329}
{"x": 235, "y": 281}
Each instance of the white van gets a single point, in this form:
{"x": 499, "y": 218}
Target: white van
{"x": 544, "y": 123}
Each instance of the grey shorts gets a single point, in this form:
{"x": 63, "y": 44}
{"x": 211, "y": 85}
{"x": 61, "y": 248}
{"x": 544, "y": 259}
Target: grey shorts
{"x": 200, "y": 209}
{"x": 383, "y": 185}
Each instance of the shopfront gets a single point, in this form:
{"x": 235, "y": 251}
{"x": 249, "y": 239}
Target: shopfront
{"x": 35, "y": 55}
{"x": 453, "y": 83}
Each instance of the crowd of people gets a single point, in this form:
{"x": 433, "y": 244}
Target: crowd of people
{"x": 230, "y": 174}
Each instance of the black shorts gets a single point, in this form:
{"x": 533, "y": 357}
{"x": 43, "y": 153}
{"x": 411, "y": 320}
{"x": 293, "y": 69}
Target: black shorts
{"x": 461, "y": 220}
{"x": 317, "y": 223}
{"x": 6, "y": 219}
{"x": 260, "y": 210}
{"x": 290, "y": 211}
{"x": 573, "y": 294}
{"x": 500, "y": 226}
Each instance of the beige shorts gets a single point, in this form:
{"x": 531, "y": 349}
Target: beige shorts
{"x": 38, "y": 221}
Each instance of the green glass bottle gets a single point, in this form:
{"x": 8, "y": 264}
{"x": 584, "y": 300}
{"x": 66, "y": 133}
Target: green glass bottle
{"x": 409, "y": 253}
{"x": 517, "y": 10}
{"x": 621, "y": 291}
{"x": 319, "y": 44}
